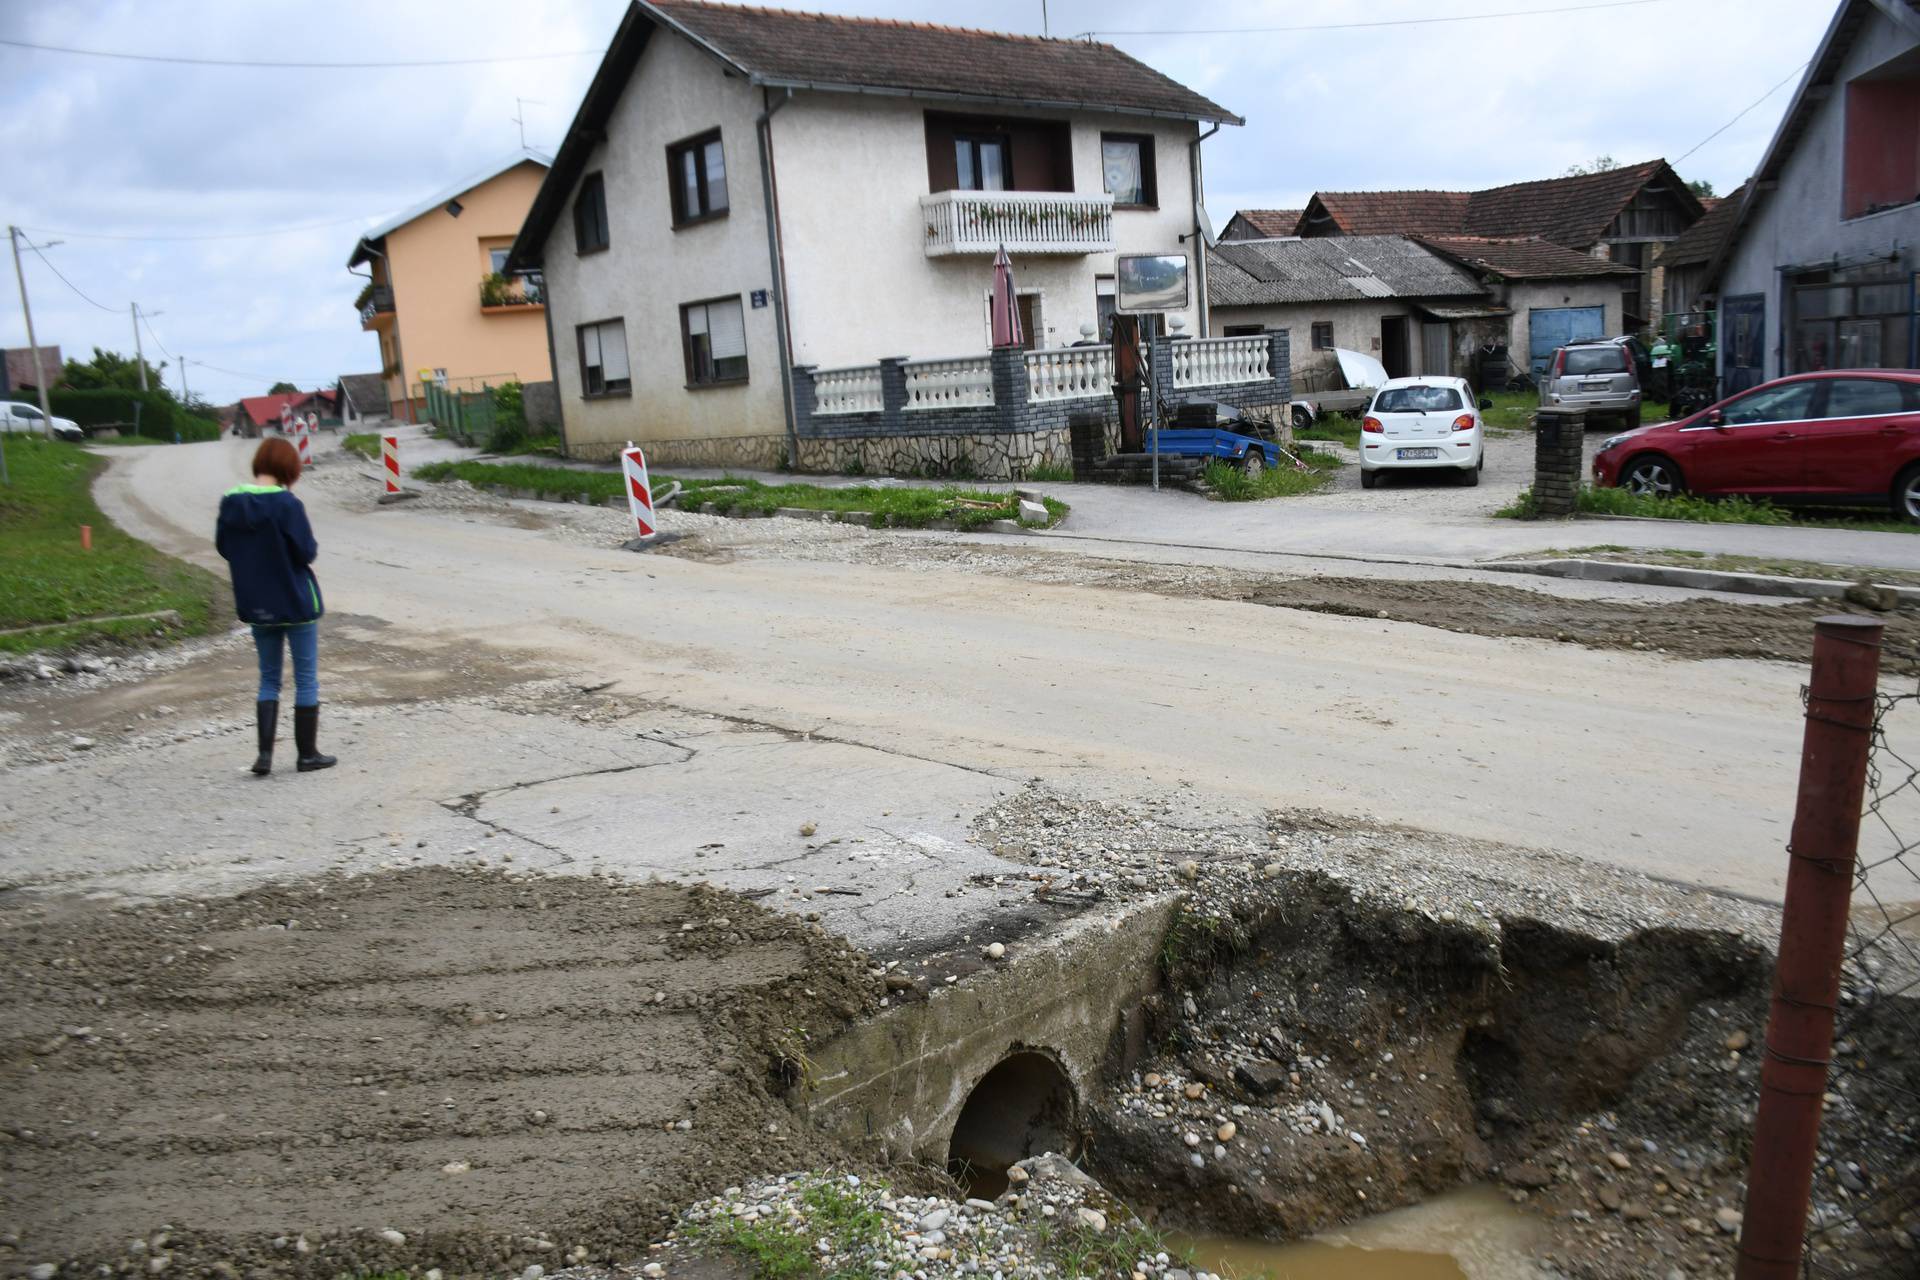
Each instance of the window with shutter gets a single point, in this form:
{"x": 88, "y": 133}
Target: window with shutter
{"x": 714, "y": 335}
{"x": 604, "y": 370}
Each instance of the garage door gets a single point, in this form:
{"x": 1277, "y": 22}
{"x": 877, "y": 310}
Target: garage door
{"x": 1550, "y": 327}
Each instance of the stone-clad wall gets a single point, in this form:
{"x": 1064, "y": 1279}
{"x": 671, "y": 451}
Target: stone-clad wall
{"x": 1005, "y": 440}
{"x": 759, "y": 453}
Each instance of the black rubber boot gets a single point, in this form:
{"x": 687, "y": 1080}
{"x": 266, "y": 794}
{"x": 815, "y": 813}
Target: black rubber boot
{"x": 306, "y": 728}
{"x": 266, "y": 715}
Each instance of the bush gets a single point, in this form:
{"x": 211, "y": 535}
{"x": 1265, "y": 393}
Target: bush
{"x": 160, "y": 415}
{"x": 509, "y": 431}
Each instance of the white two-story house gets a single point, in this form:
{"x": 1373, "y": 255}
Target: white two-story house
{"x": 745, "y": 191}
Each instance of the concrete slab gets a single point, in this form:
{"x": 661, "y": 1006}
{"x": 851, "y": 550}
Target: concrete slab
{"x": 873, "y": 841}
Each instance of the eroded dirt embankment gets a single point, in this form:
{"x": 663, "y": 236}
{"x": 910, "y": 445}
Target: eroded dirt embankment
{"x": 1358, "y": 1015}
{"x": 425, "y": 1068}
{"x": 1322, "y": 1057}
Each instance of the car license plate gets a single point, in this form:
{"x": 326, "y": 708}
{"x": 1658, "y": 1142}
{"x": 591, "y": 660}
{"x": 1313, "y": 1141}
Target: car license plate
{"x": 1593, "y": 386}
{"x": 1416, "y": 455}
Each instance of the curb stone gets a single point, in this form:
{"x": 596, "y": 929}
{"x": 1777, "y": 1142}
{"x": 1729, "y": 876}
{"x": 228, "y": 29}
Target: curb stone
{"x": 865, "y": 519}
{"x": 1653, "y": 575}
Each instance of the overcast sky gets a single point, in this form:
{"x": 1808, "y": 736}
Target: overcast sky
{"x": 100, "y": 148}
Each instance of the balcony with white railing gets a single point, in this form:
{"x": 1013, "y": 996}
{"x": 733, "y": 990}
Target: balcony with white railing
{"x": 1070, "y": 373}
{"x": 1204, "y": 362}
{"x": 1030, "y": 222}
{"x": 949, "y": 384}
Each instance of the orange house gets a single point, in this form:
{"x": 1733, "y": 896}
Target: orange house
{"x": 436, "y": 294}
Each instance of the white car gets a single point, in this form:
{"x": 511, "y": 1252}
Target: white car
{"x": 1423, "y": 424}
{"x": 25, "y": 418}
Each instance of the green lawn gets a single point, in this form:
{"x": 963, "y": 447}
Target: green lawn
{"x": 1514, "y": 410}
{"x": 45, "y": 577}
{"x": 1230, "y": 484}
{"x": 364, "y": 443}
{"x": 1333, "y": 426}
{"x": 903, "y": 507}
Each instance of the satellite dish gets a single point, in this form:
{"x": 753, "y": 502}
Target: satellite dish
{"x": 1207, "y": 233}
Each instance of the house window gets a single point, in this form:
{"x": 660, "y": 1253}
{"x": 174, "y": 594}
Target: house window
{"x": 1323, "y": 335}
{"x": 590, "y": 215}
{"x": 697, "y": 176}
{"x": 1126, "y": 166}
{"x": 603, "y": 359}
{"x": 498, "y": 259}
{"x": 1244, "y": 330}
{"x": 714, "y": 334}
{"x": 981, "y": 163}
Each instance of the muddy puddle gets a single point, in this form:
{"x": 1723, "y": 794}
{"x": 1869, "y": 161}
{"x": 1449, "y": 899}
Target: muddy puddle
{"x": 1473, "y": 1234}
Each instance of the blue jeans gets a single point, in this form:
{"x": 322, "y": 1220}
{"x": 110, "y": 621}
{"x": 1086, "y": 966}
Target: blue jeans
{"x": 304, "y": 641}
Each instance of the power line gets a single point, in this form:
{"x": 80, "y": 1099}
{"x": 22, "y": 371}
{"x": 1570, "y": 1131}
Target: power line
{"x": 151, "y": 333}
{"x": 254, "y": 377}
{"x": 1743, "y": 111}
{"x": 63, "y": 280}
{"x": 264, "y": 65}
{"x": 222, "y": 235}
{"x": 1358, "y": 26}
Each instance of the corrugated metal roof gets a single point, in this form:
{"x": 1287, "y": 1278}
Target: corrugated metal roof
{"x": 1254, "y": 273}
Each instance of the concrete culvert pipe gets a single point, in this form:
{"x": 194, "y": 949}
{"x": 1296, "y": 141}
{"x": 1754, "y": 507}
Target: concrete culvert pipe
{"x": 1023, "y": 1107}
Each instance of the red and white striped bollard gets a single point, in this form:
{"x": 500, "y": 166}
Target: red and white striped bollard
{"x": 390, "y": 459}
{"x": 633, "y": 465}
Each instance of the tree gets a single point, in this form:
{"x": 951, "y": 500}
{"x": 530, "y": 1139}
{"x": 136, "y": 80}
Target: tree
{"x": 110, "y": 371}
{"x": 283, "y": 389}
{"x": 1601, "y": 164}
{"x": 1701, "y": 188}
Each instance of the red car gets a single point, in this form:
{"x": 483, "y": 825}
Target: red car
{"x": 1845, "y": 437}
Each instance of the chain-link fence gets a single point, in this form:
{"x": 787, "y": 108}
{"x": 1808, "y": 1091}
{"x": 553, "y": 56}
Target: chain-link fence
{"x": 1864, "y": 1219}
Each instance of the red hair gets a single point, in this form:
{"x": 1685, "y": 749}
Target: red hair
{"x": 276, "y": 458}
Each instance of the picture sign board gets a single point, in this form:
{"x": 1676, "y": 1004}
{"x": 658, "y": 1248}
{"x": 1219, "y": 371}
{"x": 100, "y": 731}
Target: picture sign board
{"x": 1152, "y": 283}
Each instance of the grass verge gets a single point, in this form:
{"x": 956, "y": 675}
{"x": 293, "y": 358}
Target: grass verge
{"x": 364, "y": 443}
{"x": 1230, "y": 484}
{"x": 1683, "y": 506}
{"x": 902, "y": 507}
{"x": 45, "y": 577}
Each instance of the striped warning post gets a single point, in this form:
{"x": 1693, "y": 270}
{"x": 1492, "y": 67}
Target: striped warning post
{"x": 390, "y": 459}
{"x": 633, "y": 465}
{"x": 303, "y": 437}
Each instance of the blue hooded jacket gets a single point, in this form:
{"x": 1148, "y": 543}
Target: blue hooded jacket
{"x": 269, "y": 547}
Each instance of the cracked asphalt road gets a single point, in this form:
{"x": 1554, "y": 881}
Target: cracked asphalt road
{"x": 940, "y": 684}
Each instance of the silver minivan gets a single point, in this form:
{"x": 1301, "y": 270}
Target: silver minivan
{"x": 1596, "y": 376}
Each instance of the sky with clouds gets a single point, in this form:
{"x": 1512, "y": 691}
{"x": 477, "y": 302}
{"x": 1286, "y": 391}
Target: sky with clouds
{"x": 171, "y": 156}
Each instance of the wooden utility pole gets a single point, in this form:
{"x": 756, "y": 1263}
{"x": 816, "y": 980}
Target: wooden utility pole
{"x": 139, "y": 356}
{"x": 39, "y": 374}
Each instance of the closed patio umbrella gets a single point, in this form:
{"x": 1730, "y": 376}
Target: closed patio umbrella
{"x": 1006, "y": 311}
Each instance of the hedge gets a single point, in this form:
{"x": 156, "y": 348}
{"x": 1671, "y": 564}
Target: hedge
{"x": 160, "y": 414}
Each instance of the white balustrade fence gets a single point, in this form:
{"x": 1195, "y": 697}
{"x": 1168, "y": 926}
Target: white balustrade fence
{"x": 1024, "y": 221}
{"x": 854, "y": 390}
{"x": 1201, "y": 362}
{"x": 1070, "y": 373}
{"x": 949, "y": 384}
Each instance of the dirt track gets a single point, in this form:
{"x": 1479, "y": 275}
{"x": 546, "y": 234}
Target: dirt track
{"x": 497, "y": 1069}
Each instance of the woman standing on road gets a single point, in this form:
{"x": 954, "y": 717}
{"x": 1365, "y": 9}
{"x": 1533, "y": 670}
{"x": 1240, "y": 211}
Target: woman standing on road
{"x": 268, "y": 545}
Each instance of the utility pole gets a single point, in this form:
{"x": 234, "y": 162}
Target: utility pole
{"x": 139, "y": 356}
{"x": 183, "y": 380}
{"x": 39, "y": 374}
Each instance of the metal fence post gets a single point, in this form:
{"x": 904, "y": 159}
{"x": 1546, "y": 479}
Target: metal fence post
{"x": 1813, "y": 932}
